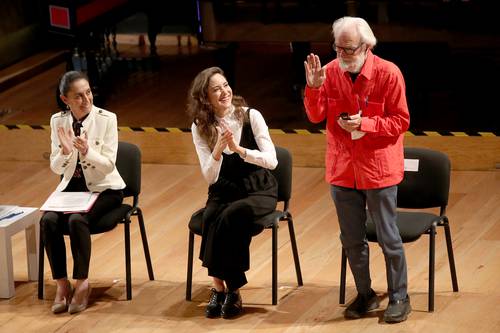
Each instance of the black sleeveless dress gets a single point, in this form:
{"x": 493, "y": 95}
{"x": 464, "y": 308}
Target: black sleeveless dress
{"x": 242, "y": 193}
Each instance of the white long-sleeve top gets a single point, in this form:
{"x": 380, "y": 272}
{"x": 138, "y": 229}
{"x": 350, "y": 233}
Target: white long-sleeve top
{"x": 264, "y": 157}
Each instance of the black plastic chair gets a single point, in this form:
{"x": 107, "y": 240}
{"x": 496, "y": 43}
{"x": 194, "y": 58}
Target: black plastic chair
{"x": 283, "y": 174}
{"x": 128, "y": 163}
{"x": 426, "y": 188}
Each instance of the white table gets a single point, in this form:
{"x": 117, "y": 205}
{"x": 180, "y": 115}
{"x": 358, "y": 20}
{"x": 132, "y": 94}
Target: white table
{"x": 29, "y": 222}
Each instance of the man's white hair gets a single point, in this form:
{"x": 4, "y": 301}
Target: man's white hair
{"x": 361, "y": 26}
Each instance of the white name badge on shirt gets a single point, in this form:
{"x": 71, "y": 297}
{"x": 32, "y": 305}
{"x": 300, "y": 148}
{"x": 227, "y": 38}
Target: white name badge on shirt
{"x": 411, "y": 165}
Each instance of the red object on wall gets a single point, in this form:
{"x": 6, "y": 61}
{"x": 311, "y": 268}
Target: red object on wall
{"x": 95, "y": 8}
{"x": 59, "y": 17}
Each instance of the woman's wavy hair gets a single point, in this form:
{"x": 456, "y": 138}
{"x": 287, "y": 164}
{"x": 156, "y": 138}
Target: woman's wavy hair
{"x": 201, "y": 111}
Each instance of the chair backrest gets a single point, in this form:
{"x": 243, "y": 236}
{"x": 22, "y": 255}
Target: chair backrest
{"x": 128, "y": 163}
{"x": 283, "y": 173}
{"x": 429, "y": 186}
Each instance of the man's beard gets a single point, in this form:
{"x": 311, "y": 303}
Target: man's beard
{"x": 352, "y": 67}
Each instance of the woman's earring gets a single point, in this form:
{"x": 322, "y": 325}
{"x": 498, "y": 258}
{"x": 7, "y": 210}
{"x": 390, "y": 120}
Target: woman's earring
{"x": 67, "y": 107}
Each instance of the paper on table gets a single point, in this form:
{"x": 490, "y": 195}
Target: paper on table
{"x": 5, "y": 210}
{"x": 70, "y": 202}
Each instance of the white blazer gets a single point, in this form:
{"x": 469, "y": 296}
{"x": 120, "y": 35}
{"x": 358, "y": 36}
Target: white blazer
{"x": 98, "y": 165}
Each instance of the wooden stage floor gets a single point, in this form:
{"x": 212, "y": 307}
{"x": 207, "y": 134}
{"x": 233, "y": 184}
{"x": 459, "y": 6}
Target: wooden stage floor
{"x": 170, "y": 193}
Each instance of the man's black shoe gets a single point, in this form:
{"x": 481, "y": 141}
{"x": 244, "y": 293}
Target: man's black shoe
{"x": 361, "y": 305}
{"x": 397, "y": 311}
{"x": 232, "y": 305}
{"x": 215, "y": 302}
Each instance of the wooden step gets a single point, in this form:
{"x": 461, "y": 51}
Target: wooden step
{"x": 29, "y": 67}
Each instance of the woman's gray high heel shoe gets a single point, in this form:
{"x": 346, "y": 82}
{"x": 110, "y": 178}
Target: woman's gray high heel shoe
{"x": 75, "y": 308}
{"x": 59, "y": 307}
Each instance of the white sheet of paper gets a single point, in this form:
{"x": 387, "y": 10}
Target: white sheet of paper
{"x": 411, "y": 165}
{"x": 69, "y": 201}
{"x": 5, "y": 210}
{"x": 355, "y": 135}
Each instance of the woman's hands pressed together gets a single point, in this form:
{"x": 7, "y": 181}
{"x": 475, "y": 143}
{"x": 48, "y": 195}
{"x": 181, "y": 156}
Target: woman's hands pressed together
{"x": 68, "y": 141}
{"x": 225, "y": 139}
{"x": 65, "y": 139}
{"x": 81, "y": 144}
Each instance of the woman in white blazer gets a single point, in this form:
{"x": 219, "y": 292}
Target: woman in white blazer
{"x": 84, "y": 143}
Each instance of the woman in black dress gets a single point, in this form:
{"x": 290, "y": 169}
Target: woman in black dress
{"x": 235, "y": 153}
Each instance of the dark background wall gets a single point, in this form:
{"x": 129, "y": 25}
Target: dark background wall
{"x": 22, "y": 29}
{"x": 448, "y": 50}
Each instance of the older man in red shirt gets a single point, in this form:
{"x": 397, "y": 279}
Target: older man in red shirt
{"x": 362, "y": 97}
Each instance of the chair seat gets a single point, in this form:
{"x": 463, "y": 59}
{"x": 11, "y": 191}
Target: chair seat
{"x": 109, "y": 221}
{"x": 196, "y": 221}
{"x": 411, "y": 225}
{"x": 269, "y": 220}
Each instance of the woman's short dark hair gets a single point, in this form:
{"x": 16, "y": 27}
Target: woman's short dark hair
{"x": 68, "y": 78}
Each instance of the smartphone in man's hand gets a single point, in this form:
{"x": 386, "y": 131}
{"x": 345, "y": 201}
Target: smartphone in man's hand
{"x": 345, "y": 116}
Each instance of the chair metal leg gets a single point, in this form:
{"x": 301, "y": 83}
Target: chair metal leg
{"x": 432, "y": 249}
{"x": 189, "y": 278}
{"x": 41, "y": 259}
{"x": 145, "y": 244}
{"x": 343, "y": 266}
{"x": 295, "y": 251}
{"x": 451, "y": 257}
{"x": 128, "y": 272}
{"x": 275, "y": 264}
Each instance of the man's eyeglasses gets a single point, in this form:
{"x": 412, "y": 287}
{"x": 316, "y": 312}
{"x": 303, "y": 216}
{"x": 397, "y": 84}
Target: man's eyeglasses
{"x": 346, "y": 50}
